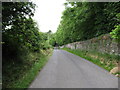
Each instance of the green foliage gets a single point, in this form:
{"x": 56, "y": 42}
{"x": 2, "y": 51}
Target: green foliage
{"x": 23, "y": 44}
{"x": 116, "y": 32}
{"x": 85, "y": 20}
{"x": 21, "y": 75}
{"x": 20, "y": 33}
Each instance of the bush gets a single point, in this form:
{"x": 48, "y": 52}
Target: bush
{"x": 116, "y": 32}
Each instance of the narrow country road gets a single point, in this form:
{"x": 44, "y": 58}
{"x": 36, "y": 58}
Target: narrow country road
{"x": 65, "y": 70}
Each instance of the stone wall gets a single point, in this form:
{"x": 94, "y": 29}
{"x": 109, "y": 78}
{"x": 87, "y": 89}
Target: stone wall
{"x": 103, "y": 44}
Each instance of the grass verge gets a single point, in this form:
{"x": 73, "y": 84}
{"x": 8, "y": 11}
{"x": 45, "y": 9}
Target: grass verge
{"x": 103, "y": 60}
{"x": 31, "y": 74}
{"x": 21, "y": 75}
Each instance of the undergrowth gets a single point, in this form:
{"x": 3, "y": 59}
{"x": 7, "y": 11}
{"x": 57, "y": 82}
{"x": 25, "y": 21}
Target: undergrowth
{"x": 21, "y": 74}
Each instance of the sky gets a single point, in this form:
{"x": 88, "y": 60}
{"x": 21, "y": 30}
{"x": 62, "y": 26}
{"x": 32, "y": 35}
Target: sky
{"x": 48, "y": 14}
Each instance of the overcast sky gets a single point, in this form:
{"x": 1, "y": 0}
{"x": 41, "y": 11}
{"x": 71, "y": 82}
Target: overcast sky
{"x": 48, "y": 14}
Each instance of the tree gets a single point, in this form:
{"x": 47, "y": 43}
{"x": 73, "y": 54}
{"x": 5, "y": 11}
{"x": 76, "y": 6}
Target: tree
{"x": 85, "y": 20}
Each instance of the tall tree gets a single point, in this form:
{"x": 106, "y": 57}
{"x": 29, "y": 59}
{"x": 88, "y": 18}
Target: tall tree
{"x": 85, "y": 20}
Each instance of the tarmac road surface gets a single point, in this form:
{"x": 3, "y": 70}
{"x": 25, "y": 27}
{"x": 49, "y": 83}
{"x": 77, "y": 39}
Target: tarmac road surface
{"x": 66, "y": 70}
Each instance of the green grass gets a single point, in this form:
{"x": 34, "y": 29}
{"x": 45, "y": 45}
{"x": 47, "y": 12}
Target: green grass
{"x": 103, "y": 60}
{"x": 21, "y": 75}
{"x": 31, "y": 74}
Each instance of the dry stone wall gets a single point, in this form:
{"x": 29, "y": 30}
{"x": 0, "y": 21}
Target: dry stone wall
{"x": 103, "y": 44}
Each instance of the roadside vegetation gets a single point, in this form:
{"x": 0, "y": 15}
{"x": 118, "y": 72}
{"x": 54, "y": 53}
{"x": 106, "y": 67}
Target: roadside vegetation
{"x": 82, "y": 21}
{"x": 20, "y": 75}
{"x": 25, "y": 49}
{"x": 103, "y": 60}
